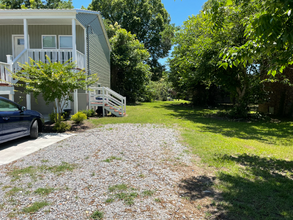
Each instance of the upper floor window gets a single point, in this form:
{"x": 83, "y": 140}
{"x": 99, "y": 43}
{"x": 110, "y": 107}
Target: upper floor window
{"x": 65, "y": 42}
{"x": 49, "y": 42}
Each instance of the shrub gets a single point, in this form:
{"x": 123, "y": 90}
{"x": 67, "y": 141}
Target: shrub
{"x": 53, "y": 117}
{"x": 78, "y": 117}
{"x": 156, "y": 91}
{"x": 89, "y": 113}
{"x": 61, "y": 126}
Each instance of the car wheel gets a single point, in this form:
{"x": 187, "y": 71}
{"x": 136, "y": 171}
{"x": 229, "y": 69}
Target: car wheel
{"x": 34, "y": 132}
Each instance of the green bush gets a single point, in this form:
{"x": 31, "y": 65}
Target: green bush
{"x": 61, "y": 126}
{"x": 89, "y": 113}
{"x": 53, "y": 115}
{"x": 78, "y": 117}
{"x": 157, "y": 90}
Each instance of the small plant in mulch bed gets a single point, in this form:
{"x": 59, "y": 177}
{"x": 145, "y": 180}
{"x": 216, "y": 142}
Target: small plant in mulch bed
{"x": 79, "y": 117}
{"x": 89, "y": 113}
{"x": 61, "y": 126}
{"x": 97, "y": 215}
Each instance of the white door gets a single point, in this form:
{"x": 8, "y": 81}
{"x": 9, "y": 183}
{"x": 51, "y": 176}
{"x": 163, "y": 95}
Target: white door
{"x": 18, "y": 45}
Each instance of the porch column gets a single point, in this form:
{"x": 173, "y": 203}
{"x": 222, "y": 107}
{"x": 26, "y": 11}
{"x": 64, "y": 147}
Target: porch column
{"x": 28, "y": 102}
{"x": 11, "y": 97}
{"x": 85, "y": 50}
{"x": 25, "y": 33}
{"x": 74, "y": 40}
{"x": 75, "y": 98}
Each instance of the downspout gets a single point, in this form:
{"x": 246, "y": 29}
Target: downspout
{"x": 88, "y": 49}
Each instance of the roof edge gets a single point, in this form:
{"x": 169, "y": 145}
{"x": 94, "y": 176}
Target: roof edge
{"x": 104, "y": 30}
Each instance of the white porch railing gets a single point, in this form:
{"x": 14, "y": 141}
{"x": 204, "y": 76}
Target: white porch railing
{"x": 4, "y": 73}
{"x": 56, "y": 55}
{"x": 80, "y": 60}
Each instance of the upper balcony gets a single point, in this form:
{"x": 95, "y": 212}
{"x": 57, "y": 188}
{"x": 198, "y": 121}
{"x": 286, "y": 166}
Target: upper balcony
{"x": 55, "y": 55}
{"x": 36, "y": 34}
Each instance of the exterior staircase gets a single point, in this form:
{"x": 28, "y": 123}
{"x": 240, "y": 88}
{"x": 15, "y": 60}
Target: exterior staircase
{"x": 108, "y": 100}
{"x": 5, "y": 87}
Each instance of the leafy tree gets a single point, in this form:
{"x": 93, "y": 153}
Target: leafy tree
{"x": 196, "y": 57}
{"x": 35, "y": 4}
{"x": 129, "y": 71}
{"x": 55, "y": 81}
{"x": 268, "y": 28}
{"x": 147, "y": 19}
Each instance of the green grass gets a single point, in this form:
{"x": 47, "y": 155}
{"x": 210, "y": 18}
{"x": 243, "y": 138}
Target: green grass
{"x": 119, "y": 187}
{"x": 13, "y": 191}
{"x": 17, "y": 173}
{"x": 148, "y": 193}
{"x": 121, "y": 192}
{"x": 252, "y": 160}
{"x": 110, "y": 159}
{"x": 44, "y": 191}
{"x": 36, "y": 206}
{"x": 97, "y": 215}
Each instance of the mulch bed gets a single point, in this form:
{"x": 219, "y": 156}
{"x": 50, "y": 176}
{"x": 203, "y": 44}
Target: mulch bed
{"x": 85, "y": 125}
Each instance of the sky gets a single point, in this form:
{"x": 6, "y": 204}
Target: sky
{"x": 179, "y": 10}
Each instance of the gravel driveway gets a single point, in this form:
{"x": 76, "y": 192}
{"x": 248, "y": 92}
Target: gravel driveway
{"x": 123, "y": 171}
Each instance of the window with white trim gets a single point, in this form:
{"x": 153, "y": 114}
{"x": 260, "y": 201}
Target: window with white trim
{"x": 49, "y": 42}
{"x": 65, "y": 41}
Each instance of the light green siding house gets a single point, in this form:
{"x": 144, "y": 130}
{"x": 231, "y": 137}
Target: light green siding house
{"x": 61, "y": 34}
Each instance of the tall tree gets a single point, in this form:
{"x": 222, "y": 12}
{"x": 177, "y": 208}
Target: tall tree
{"x": 196, "y": 57}
{"x": 268, "y": 29}
{"x": 129, "y": 71}
{"x": 147, "y": 19}
{"x": 35, "y": 4}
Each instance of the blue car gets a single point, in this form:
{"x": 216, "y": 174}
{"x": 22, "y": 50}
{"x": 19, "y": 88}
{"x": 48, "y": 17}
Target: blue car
{"x": 16, "y": 121}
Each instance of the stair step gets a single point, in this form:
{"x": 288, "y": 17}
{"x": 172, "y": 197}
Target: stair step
{"x": 97, "y": 103}
{"x": 5, "y": 84}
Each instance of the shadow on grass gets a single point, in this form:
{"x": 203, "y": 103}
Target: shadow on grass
{"x": 266, "y": 132}
{"x": 134, "y": 104}
{"x": 263, "y": 190}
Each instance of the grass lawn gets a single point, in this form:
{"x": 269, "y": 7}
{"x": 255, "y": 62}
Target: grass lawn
{"x": 253, "y": 161}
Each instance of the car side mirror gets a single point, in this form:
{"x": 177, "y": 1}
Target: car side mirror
{"x": 23, "y": 108}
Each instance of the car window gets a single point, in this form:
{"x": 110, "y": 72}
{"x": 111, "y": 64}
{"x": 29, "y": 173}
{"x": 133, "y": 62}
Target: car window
{"x": 7, "y": 106}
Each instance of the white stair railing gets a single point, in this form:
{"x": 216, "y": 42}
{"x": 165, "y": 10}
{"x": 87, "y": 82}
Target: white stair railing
{"x": 20, "y": 59}
{"x": 108, "y": 99}
{"x": 5, "y": 76}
